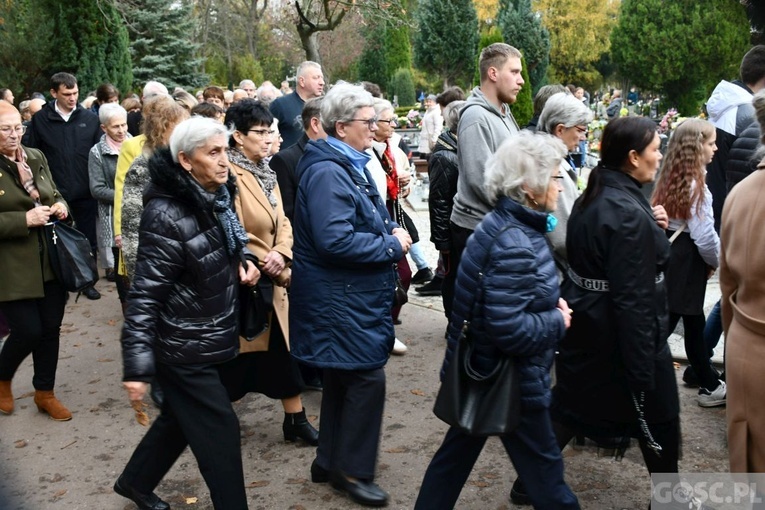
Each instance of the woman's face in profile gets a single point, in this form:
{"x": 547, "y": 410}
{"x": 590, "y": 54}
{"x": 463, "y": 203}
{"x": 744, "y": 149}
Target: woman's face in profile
{"x": 646, "y": 164}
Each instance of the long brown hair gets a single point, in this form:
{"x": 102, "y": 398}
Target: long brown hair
{"x": 683, "y": 165}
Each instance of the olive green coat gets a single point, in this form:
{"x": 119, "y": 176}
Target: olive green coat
{"x": 24, "y": 260}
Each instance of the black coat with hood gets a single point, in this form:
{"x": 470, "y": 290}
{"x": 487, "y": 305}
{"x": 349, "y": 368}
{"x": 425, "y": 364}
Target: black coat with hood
{"x": 183, "y": 302}
{"x": 443, "y": 169}
{"x": 741, "y": 159}
{"x": 617, "y": 342}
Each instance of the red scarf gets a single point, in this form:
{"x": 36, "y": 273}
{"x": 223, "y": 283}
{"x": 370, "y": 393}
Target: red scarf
{"x": 391, "y": 176}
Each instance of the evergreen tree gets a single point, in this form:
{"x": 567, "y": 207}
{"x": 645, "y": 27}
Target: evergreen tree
{"x": 398, "y": 48}
{"x": 373, "y": 63}
{"x": 85, "y": 38}
{"x": 681, "y": 47}
{"x": 402, "y": 85}
{"x": 522, "y": 28}
{"x": 162, "y": 47}
{"x": 523, "y": 107}
{"x": 446, "y": 39}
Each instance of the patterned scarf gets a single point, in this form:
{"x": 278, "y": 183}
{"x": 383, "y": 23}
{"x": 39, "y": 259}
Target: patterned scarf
{"x": 236, "y": 237}
{"x": 260, "y": 170}
{"x": 391, "y": 176}
{"x": 25, "y": 174}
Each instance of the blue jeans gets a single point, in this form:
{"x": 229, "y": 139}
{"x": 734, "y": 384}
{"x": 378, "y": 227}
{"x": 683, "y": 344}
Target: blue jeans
{"x": 418, "y": 257}
{"x": 713, "y": 329}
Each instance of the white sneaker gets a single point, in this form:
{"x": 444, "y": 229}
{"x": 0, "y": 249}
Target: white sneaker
{"x": 712, "y": 398}
{"x": 399, "y": 347}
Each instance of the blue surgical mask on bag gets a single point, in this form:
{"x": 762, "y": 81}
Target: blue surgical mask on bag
{"x": 552, "y": 222}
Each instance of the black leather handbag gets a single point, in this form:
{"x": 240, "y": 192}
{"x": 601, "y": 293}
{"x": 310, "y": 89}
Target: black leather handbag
{"x": 474, "y": 403}
{"x": 71, "y": 257}
{"x": 400, "y": 295}
{"x": 255, "y": 306}
{"x": 479, "y": 404}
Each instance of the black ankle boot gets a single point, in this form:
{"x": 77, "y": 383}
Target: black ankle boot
{"x": 296, "y": 425}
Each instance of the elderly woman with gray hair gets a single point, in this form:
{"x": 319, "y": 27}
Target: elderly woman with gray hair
{"x": 342, "y": 290}
{"x": 565, "y": 117}
{"x": 181, "y": 322}
{"x": 102, "y": 167}
{"x": 507, "y": 288}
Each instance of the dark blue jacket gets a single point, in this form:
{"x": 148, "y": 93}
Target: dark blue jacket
{"x": 507, "y": 278}
{"x": 342, "y": 275}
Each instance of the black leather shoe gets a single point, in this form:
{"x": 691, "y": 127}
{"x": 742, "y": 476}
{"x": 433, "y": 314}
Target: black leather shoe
{"x": 361, "y": 491}
{"x": 142, "y": 501}
{"x": 422, "y": 276}
{"x": 91, "y": 293}
{"x": 432, "y": 288}
{"x": 296, "y": 425}
{"x": 518, "y": 494}
{"x": 318, "y": 473}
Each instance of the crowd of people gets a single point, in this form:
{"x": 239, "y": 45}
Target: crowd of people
{"x": 189, "y": 202}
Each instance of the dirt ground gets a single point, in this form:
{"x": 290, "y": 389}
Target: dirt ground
{"x": 72, "y": 465}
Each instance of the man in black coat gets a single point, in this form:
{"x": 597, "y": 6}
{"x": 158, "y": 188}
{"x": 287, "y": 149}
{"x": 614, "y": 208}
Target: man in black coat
{"x": 65, "y": 132}
{"x": 284, "y": 162}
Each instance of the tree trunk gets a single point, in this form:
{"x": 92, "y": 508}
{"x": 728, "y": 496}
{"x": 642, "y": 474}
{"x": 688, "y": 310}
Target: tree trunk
{"x": 310, "y": 43}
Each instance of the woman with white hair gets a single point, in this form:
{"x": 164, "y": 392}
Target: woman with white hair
{"x": 102, "y": 167}
{"x": 565, "y": 117}
{"x": 181, "y": 323}
{"x": 507, "y": 288}
{"x": 342, "y": 291}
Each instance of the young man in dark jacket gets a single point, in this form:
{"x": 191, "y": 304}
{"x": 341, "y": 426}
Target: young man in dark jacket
{"x": 65, "y": 132}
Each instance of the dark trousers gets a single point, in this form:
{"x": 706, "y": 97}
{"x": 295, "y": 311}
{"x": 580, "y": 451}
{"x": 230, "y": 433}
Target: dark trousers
{"x": 351, "y": 420}
{"x": 195, "y": 412}
{"x": 85, "y": 211}
{"x": 459, "y": 241}
{"x": 35, "y": 329}
{"x": 695, "y": 348}
{"x": 532, "y": 449}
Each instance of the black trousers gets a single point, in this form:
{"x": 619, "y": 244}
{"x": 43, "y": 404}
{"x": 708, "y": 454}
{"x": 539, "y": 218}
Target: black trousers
{"x": 195, "y": 412}
{"x": 351, "y": 420}
{"x": 696, "y": 348}
{"x": 35, "y": 329}
{"x": 459, "y": 241}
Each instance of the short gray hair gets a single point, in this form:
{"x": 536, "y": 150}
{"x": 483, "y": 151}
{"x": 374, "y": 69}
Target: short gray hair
{"x": 341, "y": 104}
{"x": 153, "y": 88}
{"x": 452, "y": 115}
{"x": 194, "y": 133}
{"x": 563, "y": 109}
{"x": 303, "y": 67}
{"x": 382, "y": 105}
{"x": 246, "y": 82}
{"x": 525, "y": 158}
{"x": 108, "y": 111}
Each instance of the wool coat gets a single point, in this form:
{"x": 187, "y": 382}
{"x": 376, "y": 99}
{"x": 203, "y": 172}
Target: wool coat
{"x": 742, "y": 281}
{"x": 23, "y": 250}
{"x": 268, "y": 229}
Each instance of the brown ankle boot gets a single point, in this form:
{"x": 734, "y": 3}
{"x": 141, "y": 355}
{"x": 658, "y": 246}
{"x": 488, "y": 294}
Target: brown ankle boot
{"x": 47, "y": 402}
{"x": 6, "y": 397}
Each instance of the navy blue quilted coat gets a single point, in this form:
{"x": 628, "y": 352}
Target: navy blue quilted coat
{"x": 507, "y": 277}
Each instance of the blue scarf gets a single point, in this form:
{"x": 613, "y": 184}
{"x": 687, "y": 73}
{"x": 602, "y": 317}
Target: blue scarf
{"x": 358, "y": 159}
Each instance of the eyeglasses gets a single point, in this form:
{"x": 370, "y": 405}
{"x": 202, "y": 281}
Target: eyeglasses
{"x": 6, "y": 130}
{"x": 582, "y": 130}
{"x": 392, "y": 120}
{"x": 370, "y": 122}
{"x": 556, "y": 177}
{"x": 262, "y": 132}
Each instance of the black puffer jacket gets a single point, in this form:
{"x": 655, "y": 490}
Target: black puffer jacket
{"x": 442, "y": 170}
{"x": 182, "y": 306}
{"x": 741, "y": 160}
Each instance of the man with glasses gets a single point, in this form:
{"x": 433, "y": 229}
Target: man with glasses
{"x": 65, "y": 132}
{"x": 288, "y": 109}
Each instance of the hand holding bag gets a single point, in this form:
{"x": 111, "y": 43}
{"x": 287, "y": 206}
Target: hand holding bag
{"x": 255, "y": 305}
{"x": 476, "y": 404}
{"x": 71, "y": 257}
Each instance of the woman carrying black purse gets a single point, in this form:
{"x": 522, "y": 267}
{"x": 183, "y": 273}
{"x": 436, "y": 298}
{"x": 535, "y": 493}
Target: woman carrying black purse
{"x": 507, "y": 286}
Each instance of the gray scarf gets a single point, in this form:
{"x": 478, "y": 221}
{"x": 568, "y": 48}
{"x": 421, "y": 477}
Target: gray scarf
{"x": 261, "y": 171}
